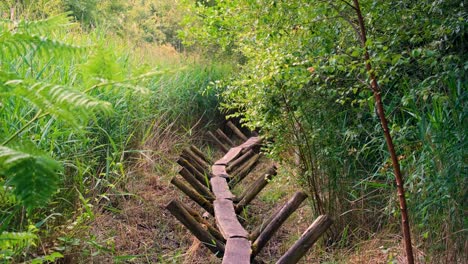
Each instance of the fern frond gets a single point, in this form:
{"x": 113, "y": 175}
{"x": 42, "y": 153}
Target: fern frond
{"x": 37, "y": 27}
{"x": 33, "y": 177}
{"x": 16, "y": 44}
{"x": 61, "y": 102}
{"x": 12, "y": 243}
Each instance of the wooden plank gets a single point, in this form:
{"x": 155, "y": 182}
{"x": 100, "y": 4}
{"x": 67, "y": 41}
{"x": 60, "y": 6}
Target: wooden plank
{"x": 237, "y": 251}
{"x": 226, "y": 219}
{"x": 230, "y": 156}
{"x": 250, "y": 143}
{"x": 219, "y": 171}
{"x": 307, "y": 240}
{"x": 221, "y": 188}
{"x": 236, "y": 130}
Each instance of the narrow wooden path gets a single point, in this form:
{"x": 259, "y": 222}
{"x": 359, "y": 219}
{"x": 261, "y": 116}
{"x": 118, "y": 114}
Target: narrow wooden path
{"x": 210, "y": 187}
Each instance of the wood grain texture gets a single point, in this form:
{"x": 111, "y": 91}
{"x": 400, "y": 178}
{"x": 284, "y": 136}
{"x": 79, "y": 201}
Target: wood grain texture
{"x": 232, "y": 154}
{"x": 226, "y": 219}
{"x": 221, "y": 188}
{"x": 238, "y": 251}
{"x": 219, "y": 171}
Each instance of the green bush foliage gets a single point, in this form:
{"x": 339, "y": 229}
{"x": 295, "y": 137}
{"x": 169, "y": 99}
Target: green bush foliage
{"x": 302, "y": 83}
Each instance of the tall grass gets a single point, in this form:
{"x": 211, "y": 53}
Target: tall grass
{"x": 92, "y": 146}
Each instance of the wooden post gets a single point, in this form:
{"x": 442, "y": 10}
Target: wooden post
{"x": 277, "y": 221}
{"x": 196, "y": 184}
{"x": 203, "y": 222}
{"x": 200, "y": 200}
{"x": 178, "y": 210}
{"x": 312, "y": 234}
{"x": 195, "y": 164}
{"x": 242, "y": 171}
{"x": 239, "y": 160}
{"x": 255, "y": 188}
{"x": 196, "y": 158}
{"x": 217, "y": 141}
{"x": 198, "y": 175}
{"x": 224, "y": 137}
{"x": 236, "y": 130}
{"x": 200, "y": 153}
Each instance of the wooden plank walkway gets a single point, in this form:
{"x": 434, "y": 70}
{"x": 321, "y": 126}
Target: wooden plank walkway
{"x": 238, "y": 245}
{"x": 209, "y": 186}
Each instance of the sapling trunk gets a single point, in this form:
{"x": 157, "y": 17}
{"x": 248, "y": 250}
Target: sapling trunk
{"x": 388, "y": 138}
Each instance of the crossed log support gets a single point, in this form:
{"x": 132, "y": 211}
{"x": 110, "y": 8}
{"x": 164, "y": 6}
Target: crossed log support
{"x": 209, "y": 186}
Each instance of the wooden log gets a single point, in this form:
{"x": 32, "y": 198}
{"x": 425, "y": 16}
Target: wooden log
{"x": 177, "y": 209}
{"x": 254, "y": 189}
{"x": 213, "y": 230}
{"x": 239, "y": 161}
{"x": 236, "y": 130}
{"x": 218, "y": 142}
{"x": 202, "y": 190}
{"x": 197, "y": 166}
{"x": 229, "y": 156}
{"x": 226, "y": 219}
{"x": 277, "y": 221}
{"x": 196, "y": 158}
{"x": 241, "y": 172}
{"x": 224, "y": 138}
{"x": 202, "y": 178}
{"x": 305, "y": 242}
{"x": 200, "y": 200}
{"x": 200, "y": 154}
{"x": 221, "y": 188}
{"x": 238, "y": 251}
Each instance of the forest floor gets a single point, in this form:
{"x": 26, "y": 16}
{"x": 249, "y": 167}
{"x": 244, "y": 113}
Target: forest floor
{"x": 136, "y": 228}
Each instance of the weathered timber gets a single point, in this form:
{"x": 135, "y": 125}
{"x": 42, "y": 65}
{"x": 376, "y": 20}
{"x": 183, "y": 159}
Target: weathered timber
{"x": 219, "y": 171}
{"x": 195, "y": 164}
{"x": 236, "y": 130}
{"x": 230, "y": 156}
{"x": 196, "y": 158}
{"x": 213, "y": 230}
{"x": 255, "y": 188}
{"x": 200, "y": 200}
{"x": 238, "y": 251}
{"x": 198, "y": 175}
{"x": 250, "y": 143}
{"x": 256, "y": 232}
{"x": 202, "y": 189}
{"x": 305, "y": 242}
{"x": 217, "y": 141}
{"x": 226, "y": 219}
{"x": 176, "y": 209}
{"x": 241, "y": 172}
{"x": 221, "y": 188}
{"x": 200, "y": 154}
{"x": 237, "y": 162}
{"x": 277, "y": 221}
{"x": 224, "y": 138}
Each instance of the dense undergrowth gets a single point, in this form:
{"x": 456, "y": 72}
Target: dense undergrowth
{"x": 76, "y": 103}
{"x": 303, "y": 82}
{"x": 84, "y": 85}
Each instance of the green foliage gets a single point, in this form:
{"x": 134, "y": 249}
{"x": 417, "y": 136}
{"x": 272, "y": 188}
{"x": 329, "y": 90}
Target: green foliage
{"x": 34, "y": 177}
{"x": 302, "y": 82}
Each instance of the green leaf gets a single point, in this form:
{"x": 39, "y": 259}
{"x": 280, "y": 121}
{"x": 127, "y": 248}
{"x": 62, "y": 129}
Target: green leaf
{"x": 34, "y": 177}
